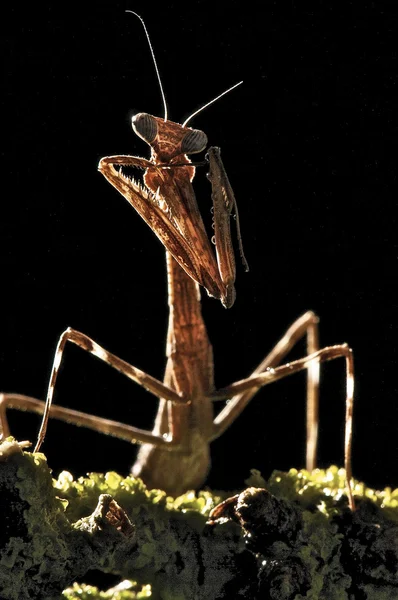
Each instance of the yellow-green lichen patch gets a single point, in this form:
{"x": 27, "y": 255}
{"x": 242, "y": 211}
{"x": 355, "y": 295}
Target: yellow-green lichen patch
{"x": 126, "y": 590}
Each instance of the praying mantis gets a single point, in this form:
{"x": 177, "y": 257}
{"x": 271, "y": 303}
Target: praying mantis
{"x": 175, "y": 455}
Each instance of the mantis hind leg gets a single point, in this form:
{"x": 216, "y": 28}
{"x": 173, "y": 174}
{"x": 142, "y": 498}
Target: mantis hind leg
{"x": 241, "y": 392}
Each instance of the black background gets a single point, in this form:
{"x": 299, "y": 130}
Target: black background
{"x": 310, "y": 144}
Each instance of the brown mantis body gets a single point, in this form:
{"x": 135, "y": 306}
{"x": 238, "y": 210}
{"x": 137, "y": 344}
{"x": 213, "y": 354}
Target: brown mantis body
{"x": 175, "y": 455}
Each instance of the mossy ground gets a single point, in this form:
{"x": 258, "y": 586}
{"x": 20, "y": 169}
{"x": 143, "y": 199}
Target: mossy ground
{"x": 55, "y": 530}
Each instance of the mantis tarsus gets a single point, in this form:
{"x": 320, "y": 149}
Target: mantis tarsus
{"x": 175, "y": 454}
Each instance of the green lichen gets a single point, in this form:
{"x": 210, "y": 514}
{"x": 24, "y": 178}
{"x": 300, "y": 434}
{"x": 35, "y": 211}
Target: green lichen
{"x": 82, "y": 496}
{"x": 126, "y": 590}
{"x": 324, "y": 488}
{"x": 296, "y": 541}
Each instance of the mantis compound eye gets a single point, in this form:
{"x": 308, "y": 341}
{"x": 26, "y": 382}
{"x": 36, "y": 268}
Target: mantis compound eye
{"x": 194, "y": 141}
{"x": 145, "y": 127}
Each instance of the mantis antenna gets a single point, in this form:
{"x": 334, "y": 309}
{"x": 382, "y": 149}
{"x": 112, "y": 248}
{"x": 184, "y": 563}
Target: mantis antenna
{"x": 160, "y": 81}
{"x": 154, "y": 61}
{"x": 211, "y": 102}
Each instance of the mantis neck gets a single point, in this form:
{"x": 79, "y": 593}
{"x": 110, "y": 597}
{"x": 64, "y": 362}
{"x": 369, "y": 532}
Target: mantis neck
{"x": 187, "y": 340}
